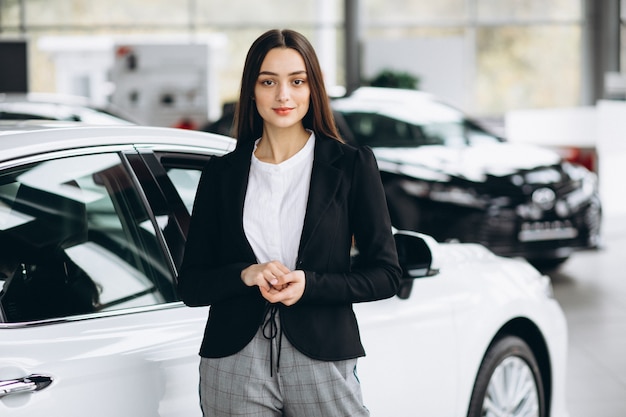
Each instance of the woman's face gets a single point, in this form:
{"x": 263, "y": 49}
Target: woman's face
{"x": 282, "y": 91}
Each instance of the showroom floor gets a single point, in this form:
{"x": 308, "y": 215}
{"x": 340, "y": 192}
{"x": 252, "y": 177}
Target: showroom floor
{"x": 591, "y": 287}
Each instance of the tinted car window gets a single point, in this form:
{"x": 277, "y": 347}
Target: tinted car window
{"x": 374, "y": 130}
{"x": 478, "y": 136}
{"x": 76, "y": 239}
{"x": 377, "y": 130}
{"x": 445, "y": 133}
{"x": 186, "y": 181}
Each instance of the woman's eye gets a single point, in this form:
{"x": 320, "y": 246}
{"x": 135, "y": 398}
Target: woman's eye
{"x": 298, "y": 82}
{"x": 267, "y": 82}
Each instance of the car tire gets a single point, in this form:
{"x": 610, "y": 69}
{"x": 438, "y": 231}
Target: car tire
{"x": 508, "y": 382}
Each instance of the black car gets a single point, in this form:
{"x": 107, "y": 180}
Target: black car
{"x": 447, "y": 176}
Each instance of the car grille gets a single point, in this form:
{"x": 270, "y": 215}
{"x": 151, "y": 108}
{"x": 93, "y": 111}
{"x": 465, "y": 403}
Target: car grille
{"x": 547, "y": 230}
{"x": 539, "y": 238}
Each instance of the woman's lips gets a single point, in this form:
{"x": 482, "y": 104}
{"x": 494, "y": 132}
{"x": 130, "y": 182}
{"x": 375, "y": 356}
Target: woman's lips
{"x": 283, "y": 111}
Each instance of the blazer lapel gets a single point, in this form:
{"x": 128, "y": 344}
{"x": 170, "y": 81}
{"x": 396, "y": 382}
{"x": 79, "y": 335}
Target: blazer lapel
{"x": 325, "y": 180}
{"x": 234, "y": 181}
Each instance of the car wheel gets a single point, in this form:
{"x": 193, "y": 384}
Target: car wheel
{"x": 508, "y": 383}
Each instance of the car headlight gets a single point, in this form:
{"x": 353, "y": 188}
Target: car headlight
{"x": 445, "y": 194}
{"x": 460, "y": 196}
{"x": 582, "y": 194}
{"x": 415, "y": 188}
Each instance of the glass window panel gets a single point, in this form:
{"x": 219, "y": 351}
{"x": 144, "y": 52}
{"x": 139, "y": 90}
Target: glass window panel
{"x": 10, "y": 13}
{"x": 523, "y": 10}
{"x": 622, "y": 54}
{"x": 75, "y": 238}
{"x": 130, "y": 13}
{"x": 243, "y": 13}
{"x": 527, "y": 67}
{"x": 421, "y": 11}
{"x": 186, "y": 182}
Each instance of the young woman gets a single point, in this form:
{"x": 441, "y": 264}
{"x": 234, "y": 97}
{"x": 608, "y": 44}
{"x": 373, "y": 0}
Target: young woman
{"x": 269, "y": 247}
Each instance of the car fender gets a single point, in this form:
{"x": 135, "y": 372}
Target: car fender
{"x": 501, "y": 294}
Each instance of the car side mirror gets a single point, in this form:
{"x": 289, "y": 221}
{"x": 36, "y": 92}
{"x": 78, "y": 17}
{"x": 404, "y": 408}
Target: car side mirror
{"x": 415, "y": 257}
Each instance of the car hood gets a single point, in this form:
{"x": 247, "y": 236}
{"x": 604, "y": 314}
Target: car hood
{"x": 475, "y": 163}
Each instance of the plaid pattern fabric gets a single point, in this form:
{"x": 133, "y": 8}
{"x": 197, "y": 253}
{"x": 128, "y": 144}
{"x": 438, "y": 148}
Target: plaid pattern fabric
{"x": 241, "y": 384}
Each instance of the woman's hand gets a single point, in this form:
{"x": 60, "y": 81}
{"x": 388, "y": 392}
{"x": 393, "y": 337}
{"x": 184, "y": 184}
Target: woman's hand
{"x": 265, "y": 275}
{"x": 276, "y": 282}
{"x": 288, "y": 290}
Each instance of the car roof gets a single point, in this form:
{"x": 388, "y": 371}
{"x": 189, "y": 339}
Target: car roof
{"x": 70, "y": 100}
{"x": 20, "y": 143}
{"x": 52, "y": 106}
{"x": 14, "y": 126}
{"x": 395, "y": 94}
{"x": 412, "y": 106}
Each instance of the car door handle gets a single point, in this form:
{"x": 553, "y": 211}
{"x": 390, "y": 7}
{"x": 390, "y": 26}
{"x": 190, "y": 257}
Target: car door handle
{"x": 29, "y": 383}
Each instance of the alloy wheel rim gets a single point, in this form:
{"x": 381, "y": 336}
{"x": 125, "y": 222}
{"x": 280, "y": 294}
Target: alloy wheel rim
{"x": 512, "y": 391}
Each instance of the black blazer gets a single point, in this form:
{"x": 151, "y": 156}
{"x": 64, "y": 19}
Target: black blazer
{"x": 346, "y": 199}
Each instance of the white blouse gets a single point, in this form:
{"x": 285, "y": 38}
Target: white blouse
{"x": 275, "y": 204}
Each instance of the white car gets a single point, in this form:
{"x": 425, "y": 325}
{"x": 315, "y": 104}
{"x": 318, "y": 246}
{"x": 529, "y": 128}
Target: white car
{"x": 92, "y": 226}
{"x": 48, "y": 106}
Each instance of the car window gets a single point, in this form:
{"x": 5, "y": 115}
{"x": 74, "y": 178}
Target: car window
{"x": 378, "y": 130}
{"x": 445, "y": 133}
{"x": 75, "y": 238}
{"x": 478, "y": 136}
{"x": 375, "y": 130}
{"x": 186, "y": 181}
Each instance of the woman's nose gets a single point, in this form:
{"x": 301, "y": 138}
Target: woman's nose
{"x": 282, "y": 93}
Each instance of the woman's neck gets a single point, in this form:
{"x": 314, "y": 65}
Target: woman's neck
{"x": 278, "y": 145}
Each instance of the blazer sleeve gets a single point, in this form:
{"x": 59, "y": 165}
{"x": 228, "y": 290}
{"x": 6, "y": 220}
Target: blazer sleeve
{"x": 207, "y": 276}
{"x": 377, "y": 273}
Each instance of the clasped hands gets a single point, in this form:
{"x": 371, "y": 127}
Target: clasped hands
{"x": 277, "y": 283}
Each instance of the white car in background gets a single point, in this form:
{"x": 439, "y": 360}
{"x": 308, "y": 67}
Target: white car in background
{"x": 92, "y": 226}
{"x": 49, "y": 106}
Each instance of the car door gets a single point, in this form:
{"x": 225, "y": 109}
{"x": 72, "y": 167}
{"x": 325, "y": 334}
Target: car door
{"x": 90, "y": 320}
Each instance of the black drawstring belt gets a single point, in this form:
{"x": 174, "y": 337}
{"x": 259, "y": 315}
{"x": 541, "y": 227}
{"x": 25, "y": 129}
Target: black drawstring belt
{"x": 271, "y": 329}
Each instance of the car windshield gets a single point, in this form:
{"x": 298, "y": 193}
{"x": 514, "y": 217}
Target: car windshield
{"x": 379, "y": 130}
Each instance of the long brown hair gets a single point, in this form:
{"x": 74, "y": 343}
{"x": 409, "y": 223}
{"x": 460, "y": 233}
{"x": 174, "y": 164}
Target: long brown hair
{"x": 248, "y": 124}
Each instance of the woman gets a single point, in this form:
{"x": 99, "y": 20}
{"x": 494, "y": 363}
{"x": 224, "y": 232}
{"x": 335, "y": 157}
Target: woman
{"x": 269, "y": 247}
